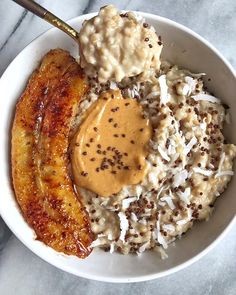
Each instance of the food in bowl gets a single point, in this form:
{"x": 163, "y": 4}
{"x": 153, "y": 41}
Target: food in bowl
{"x": 114, "y": 46}
{"x": 40, "y": 135}
{"x": 143, "y": 150}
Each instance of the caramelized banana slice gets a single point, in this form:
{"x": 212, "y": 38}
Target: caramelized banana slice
{"x": 40, "y": 140}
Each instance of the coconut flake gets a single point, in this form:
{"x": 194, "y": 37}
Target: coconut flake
{"x": 105, "y": 202}
{"x": 202, "y": 171}
{"x": 195, "y": 75}
{"x": 164, "y": 96}
{"x": 224, "y": 173}
{"x": 162, "y": 252}
{"x": 126, "y": 202}
{"x": 206, "y": 97}
{"x": 190, "y": 145}
{"x": 227, "y": 118}
{"x": 169, "y": 201}
{"x": 157, "y": 235}
{"x": 171, "y": 150}
{"x": 184, "y": 196}
{"x": 96, "y": 243}
{"x": 189, "y": 213}
{"x": 113, "y": 85}
{"x": 152, "y": 94}
{"x": 221, "y": 162}
{"x": 160, "y": 190}
{"x": 168, "y": 227}
{"x": 152, "y": 178}
{"x": 211, "y": 166}
{"x": 134, "y": 92}
{"x": 191, "y": 83}
{"x": 182, "y": 222}
{"x": 143, "y": 221}
{"x": 134, "y": 217}
{"x": 174, "y": 158}
{"x": 163, "y": 153}
{"x": 143, "y": 247}
{"x": 124, "y": 225}
{"x": 161, "y": 240}
{"x": 101, "y": 235}
{"x": 112, "y": 247}
{"x": 139, "y": 190}
{"x": 110, "y": 208}
{"x": 162, "y": 204}
{"x": 186, "y": 89}
{"x": 180, "y": 177}
{"x": 110, "y": 236}
{"x": 203, "y": 125}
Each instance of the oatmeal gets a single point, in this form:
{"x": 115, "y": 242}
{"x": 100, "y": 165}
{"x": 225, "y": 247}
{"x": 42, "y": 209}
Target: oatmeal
{"x": 114, "y": 46}
{"x": 188, "y": 163}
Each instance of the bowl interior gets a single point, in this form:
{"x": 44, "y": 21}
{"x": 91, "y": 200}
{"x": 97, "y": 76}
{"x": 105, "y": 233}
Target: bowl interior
{"x": 181, "y": 47}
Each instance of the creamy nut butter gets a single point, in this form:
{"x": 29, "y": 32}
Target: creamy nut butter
{"x": 110, "y": 146}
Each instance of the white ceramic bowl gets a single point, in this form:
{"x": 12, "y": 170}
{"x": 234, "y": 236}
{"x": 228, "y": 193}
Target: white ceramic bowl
{"x": 182, "y": 47}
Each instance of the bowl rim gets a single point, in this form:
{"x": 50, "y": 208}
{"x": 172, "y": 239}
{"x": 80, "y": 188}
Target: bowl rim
{"x": 141, "y": 278}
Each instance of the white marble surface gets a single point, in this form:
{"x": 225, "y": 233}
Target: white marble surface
{"x": 22, "y": 272}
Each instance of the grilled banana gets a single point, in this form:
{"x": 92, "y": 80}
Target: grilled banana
{"x": 40, "y": 161}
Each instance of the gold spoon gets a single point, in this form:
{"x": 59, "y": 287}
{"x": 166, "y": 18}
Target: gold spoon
{"x": 49, "y": 17}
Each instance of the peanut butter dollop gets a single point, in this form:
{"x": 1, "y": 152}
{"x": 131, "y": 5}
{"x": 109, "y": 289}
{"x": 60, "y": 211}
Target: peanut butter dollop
{"x": 110, "y": 146}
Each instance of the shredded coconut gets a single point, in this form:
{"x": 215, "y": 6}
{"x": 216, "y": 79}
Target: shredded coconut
{"x": 190, "y": 145}
{"x": 206, "y": 97}
{"x": 97, "y": 242}
{"x": 184, "y": 196}
{"x": 192, "y": 84}
{"x": 195, "y": 75}
{"x": 161, "y": 240}
{"x": 113, "y": 85}
{"x": 152, "y": 94}
{"x": 227, "y": 117}
{"x": 152, "y": 178}
{"x": 143, "y": 247}
{"x": 124, "y": 225}
{"x": 160, "y": 190}
{"x": 168, "y": 227}
{"x": 169, "y": 201}
{"x": 112, "y": 247}
{"x": 180, "y": 177}
{"x": 162, "y": 204}
{"x": 127, "y": 202}
{"x": 202, "y": 171}
{"x": 224, "y": 173}
{"x": 139, "y": 190}
{"x": 163, "y": 153}
{"x": 203, "y": 125}
{"x": 182, "y": 221}
{"x": 164, "y": 97}
{"x": 222, "y": 158}
{"x": 134, "y": 217}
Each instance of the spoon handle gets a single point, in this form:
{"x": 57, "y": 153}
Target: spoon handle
{"x": 40, "y": 11}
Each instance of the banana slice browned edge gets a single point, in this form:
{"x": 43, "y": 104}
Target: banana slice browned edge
{"x": 39, "y": 154}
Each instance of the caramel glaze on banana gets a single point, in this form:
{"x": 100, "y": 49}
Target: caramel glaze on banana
{"x": 40, "y": 161}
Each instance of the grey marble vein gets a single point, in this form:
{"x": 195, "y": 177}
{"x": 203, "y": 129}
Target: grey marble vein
{"x": 24, "y": 273}
{"x": 17, "y": 25}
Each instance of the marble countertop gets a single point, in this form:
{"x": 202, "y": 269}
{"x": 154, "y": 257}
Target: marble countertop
{"x": 21, "y": 271}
